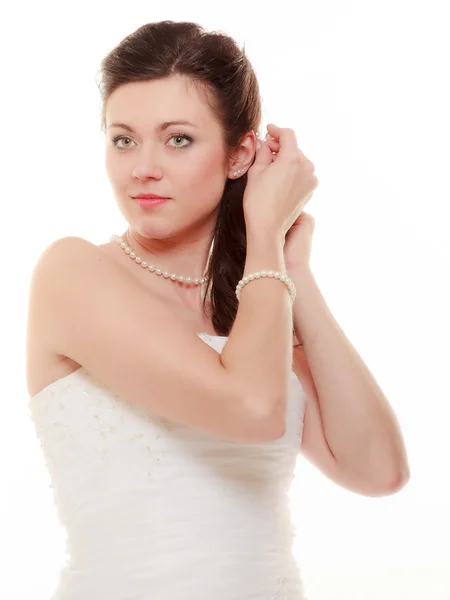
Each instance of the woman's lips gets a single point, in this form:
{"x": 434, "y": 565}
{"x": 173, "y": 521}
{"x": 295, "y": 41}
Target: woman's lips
{"x": 147, "y": 203}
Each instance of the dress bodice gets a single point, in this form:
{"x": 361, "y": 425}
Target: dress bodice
{"x": 155, "y": 509}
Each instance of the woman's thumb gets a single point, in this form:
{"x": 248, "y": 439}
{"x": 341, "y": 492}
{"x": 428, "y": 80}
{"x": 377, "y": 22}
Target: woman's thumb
{"x": 263, "y": 154}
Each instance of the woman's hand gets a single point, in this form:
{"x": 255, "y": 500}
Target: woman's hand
{"x": 298, "y": 239}
{"x": 279, "y": 184}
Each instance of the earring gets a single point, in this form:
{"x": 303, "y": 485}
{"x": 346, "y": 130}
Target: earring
{"x": 238, "y": 172}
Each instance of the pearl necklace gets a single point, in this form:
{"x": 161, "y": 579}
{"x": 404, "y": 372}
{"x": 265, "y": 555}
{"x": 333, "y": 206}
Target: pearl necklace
{"x": 152, "y": 268}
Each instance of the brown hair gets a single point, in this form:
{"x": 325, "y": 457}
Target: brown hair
{"x": 214, "y": 63}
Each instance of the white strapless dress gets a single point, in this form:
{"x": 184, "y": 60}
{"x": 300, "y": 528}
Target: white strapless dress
{"x": 156, "y": 510}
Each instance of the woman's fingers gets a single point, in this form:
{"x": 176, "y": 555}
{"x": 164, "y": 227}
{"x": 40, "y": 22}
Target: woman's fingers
{"x": 273, "y": 139}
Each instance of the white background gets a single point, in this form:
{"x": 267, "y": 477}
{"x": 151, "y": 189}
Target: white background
{"x": 365, "y": 87}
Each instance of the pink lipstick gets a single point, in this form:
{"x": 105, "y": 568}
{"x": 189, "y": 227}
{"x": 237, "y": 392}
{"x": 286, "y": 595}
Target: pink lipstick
{"x": 148, "y": 203}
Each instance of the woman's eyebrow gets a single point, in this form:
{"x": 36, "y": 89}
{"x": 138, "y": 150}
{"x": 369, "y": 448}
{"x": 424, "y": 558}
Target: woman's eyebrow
{"x": 160, "y": 127}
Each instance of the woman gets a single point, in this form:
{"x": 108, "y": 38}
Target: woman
{"x": 160, "y": 376}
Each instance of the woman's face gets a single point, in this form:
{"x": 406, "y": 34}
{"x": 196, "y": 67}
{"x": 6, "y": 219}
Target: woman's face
{"x": 185, "y": 162}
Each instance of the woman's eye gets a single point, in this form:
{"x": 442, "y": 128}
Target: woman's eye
{"x": 173, "y": 137}
{"x": 181, "y": 137}
{"x": 119, "y": 138}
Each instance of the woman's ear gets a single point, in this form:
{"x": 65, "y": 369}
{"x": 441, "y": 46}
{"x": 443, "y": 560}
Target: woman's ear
{"x": 244, "y": 156}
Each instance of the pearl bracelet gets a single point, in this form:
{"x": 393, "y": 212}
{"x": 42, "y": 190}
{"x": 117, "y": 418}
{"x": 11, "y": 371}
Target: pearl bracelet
{"x": 275, "y": 274}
